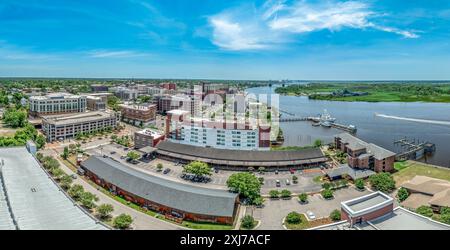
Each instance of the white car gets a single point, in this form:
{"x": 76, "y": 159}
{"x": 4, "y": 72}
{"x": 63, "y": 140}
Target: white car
{"x": 311, "y": 215}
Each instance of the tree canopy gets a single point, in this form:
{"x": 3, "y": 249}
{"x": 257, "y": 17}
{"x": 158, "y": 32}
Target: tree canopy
{"x": 246, "y": 184}
{"x": 383, "y": 182}
{"x": 198, "y": 168}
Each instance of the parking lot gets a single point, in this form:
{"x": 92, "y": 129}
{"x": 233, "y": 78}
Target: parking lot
{"x": 218, "y": 179}
{"x": 271, "y": 216}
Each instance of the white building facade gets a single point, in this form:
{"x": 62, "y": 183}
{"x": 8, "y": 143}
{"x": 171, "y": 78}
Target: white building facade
{"x": 57, "y": 103}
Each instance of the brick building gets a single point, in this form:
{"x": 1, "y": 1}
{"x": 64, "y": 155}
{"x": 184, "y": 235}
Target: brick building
{"x": 138, "y": 114}
{"x": 176, "y": 201}
{"x": 147, "y": 138}
{"x": 363, "y": 155}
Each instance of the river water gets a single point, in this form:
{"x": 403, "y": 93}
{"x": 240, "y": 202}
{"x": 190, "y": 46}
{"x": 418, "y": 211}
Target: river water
{"x": 379, "y": 123}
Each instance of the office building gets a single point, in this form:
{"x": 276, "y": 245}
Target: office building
{"x": 57, "y": 103}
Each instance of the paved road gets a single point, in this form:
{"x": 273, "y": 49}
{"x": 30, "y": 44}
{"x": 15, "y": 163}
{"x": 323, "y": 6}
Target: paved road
{"x": 141, "y": 221}
{"x": 274, "y": 211}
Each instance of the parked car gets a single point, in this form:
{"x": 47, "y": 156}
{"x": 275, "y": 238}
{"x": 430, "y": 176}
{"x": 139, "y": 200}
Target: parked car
{"x": 276, "y": 171}
{"x": 126, "y": 149}
{"x": 292, "y": 171}
{"x": 80, "y": 171}
{"x": 311, "y": 215}
{"x": 216, "y": 170}
{"x": 166, "y": 171}
{"x": 74, "y": 176}
{"x": 278, "y": 183}
{"x": 113, "y": 152}
{"x": 123, "y": 157}
{"x": 288, "y": 182}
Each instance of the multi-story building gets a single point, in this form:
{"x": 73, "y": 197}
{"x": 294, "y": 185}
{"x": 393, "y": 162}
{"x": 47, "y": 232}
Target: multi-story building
{"x": 61, "y": 127}
{"x": 169, "y": 86}
{"x": 138, "y": 114}
{"x": 125, "y": 93}
{"x": 99, "y": 88}
{"x": 95, "y": 103}
{"x": 147, "y": 138}
{"x": 363, "y": 155}
{"x": 220, "y": 134}
{"x": 57, "y": 103}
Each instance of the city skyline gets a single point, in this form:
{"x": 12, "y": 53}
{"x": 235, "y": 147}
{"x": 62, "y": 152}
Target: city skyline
{"x": 258, "y": 40}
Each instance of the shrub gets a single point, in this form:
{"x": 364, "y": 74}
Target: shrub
{"x": 274, "y": 194}
{"x": 303, "y": 197}
{"x": 76, "y": 191}
{"x": 248, "y": 222}
{"x": 327, "y": 194}
{"x": 285, "y": 193}
{"x": 88, "y": 200}
{"x": 261, "y": 180}
{"x": 335, "y": 215}
{"x": 382, "y": 182}
{"x": 359, "y": 183}
{"x": 425, "y": 211}
{"x": 326, "y": 185}
{"x": 122, "y": 221}
{"x": 402, "y": 194}
{"x": 105, "y": 210}
{"x": 293, "y": 218}
{"x": 159, "y": 167}
{"x": 258, "y": 201}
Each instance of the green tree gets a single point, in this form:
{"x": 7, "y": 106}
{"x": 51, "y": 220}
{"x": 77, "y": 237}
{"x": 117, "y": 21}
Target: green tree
{"x": 293, "y": 218}
{"x": 198, "y": 169}
{"x": 65, "y": 181}
{"x": 327, "y": 193}
{"x": 318, "y": 143}
{"x": 122, "y": 221}
{"x": 246, "y": 184}
{"x": 76, "y": 191}
{"x": 326, "y": 185}
{"x": 335, "y": 215}
{"x": 285, "y": 193}
{"x": 57, "y": 172}
{"x": 382, "y": 182}
{"x": 359, "y": 183}
{"x": 425, "y": 211}
{"x": 104, "y": 210}
{"x": 248, "y": 222}
{"x": 40, "y": 141}
{"x": 133, "y": 155}
{"x": 402, "y": 194}
{"x": 65, "y": 153}
{"x": 303, "y": 197}
{"x": 15, "y": 118}
{"x": 159, "y": 166}
{"x": 39, "y": 156}
{"x": 88, "y": 200}
{"x": 274, "y": 194}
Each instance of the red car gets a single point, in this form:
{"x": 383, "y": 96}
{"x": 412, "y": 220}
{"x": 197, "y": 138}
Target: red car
{"x": 292, "y": 171}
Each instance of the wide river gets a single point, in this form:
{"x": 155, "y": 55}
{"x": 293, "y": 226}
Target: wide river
{"x": 380, "y": 123}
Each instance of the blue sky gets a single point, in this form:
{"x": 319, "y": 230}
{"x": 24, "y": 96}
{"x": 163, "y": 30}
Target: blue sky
{"x": 226, "y": 39}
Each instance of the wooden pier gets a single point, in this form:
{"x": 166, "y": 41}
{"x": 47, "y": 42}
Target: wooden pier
{"x": 413, "y": 150}
{"x": 347, "y": 128}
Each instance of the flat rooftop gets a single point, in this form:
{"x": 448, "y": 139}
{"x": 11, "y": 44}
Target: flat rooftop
{"x": 36, "y": 201}
{"x": 367, "y": 203}
{"x": 77, "y": 117}
{"x": 56, "y": 96}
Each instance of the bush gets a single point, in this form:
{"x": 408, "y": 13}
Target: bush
{"x": 303, "y": 198}
{"x": 88, "y": 200}
{"x": 159, "y": 167}
{"x": 293, "y": 218}
{"x": 105, "y": 210}
{"x": 425, "y": 211}
{"x": 326, "y": 185}
{"x": 359, "y": 183}
{"x": 122, "y": 221}
{"x": 382, "y": 182}
{"x": 402, "y": 194}
{"x": 261, "y": 180}
{"x": 258, "y": 201}
{"x": 335, "y": 215}
{"x": 76, "y": 191}
{"x": 327, "y": 194}
{"x": 285, "y": 193}
{"x": 65, "y": 181}
{"x": 248, "y": 222}
{"x": 274, "y": 194}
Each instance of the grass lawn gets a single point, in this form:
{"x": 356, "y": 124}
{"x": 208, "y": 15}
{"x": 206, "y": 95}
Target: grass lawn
{"x": 304, "y": 224}
{"x": 407, "y": 170}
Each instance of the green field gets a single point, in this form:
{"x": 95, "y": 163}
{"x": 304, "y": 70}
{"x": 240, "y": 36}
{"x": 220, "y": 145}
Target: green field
{"x": 407, "y": 170}
{"x": 374, "y": 92}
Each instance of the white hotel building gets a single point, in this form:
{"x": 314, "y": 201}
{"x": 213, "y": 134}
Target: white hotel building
{"x": 215, "y": 134}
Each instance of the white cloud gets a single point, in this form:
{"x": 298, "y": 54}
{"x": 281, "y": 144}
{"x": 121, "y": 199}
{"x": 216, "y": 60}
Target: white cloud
{"x": 277, "y": 21}
{"x": 115, "y": 54}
